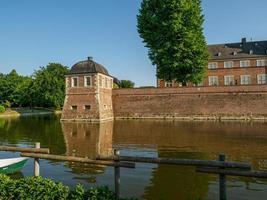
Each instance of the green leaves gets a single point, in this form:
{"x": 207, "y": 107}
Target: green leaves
{"x": 46, "y": 88}
{"x": 126, "y": 84}
{"x": 172, "y": 31}
{"x": 39, "y": 188}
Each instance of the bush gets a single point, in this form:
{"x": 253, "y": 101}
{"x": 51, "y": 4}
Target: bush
{"x": 46, "y": 189}
{"x": 7, "y": 104}
{"x": 2, "y": 109}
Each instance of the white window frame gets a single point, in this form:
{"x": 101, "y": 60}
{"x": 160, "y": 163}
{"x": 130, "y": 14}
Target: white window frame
{"x": 106, "y": 82}
{"x": 261, "y": 63}
{"x": 213, "y": 81}
{"x": 85, "y": 81}
{"x": 228, "y": 62}
{"x": 244, "y": 63}
{"x": 100, "y": 81}
{"x": 229, "y": 80}
{"x": 245, "y": 79}
{"x": 72, "y": 81}
{"x": 262, "y": 79}
{"x": 213, "y": 65}
{"x": 111, "y": 83}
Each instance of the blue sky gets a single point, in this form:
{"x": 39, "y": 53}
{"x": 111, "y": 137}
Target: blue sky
{"x": 34, "y": 33}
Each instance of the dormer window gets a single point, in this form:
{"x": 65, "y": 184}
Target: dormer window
{"x": 74, "y": 82}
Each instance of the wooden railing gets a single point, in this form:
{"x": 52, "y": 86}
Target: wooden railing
{"x": 220, "y": 166}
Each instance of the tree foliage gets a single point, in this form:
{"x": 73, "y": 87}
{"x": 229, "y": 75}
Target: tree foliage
{"x": 172, "y": 31}
{"x": 49, "y": 84}
{"x": 45, "y": 88}
{"x": 126, "y": 84}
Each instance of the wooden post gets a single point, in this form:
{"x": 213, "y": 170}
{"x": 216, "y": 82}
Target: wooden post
{"x": 117, "y": 176}
{"x": 36, "y": 161}
{"x": 222, "y": 180}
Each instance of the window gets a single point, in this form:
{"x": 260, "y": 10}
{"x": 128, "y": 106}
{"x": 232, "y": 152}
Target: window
{"x": 228, "y": 64}
{"x": 87, "y": 107}
{"x": 74, "y": 108}
{"x": 262, "y": 78}
{"x": 245, "y": 79}
{"x": 213, "y": 81}
{"x": 106, "y": 82}
{"x": 212, "y": 65}
{"x": 100, "y": 81}
{"x": 74, "y": 82}
{"x": 261, "y": 63}
{"x": 87, "y": 81}
{"x": 111, "y": 83}
{"x": 229, "y": 80}
{"x": 244, "y": 63}
{"x": 168, "y": 84}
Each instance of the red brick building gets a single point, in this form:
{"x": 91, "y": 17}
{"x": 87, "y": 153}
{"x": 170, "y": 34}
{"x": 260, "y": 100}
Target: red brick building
{"x": 243, "y": 63}
{"x": 88, "y": 93}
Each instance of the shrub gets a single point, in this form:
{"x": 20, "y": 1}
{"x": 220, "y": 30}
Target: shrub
{"x": 2, "y": 109}
{"x": 45, "y": 189}
{"x": 7, "y": 104}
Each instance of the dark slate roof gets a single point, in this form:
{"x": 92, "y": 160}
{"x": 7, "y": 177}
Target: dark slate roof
{"x": 238, "y": 50}
{"x": 88, "y": 66}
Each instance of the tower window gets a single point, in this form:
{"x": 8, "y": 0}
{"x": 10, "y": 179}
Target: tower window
{"x": 87, "y": 107}
{"x": 74, "y": 82}
{"x": 87, "y": 81}
{"x": 100, "y": 81}
{"x": 74, "y": 108}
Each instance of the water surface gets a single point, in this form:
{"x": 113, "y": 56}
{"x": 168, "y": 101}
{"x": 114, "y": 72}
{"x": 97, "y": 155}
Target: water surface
{"x": 240, "y": 141}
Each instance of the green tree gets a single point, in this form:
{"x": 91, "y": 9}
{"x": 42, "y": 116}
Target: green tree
{"x": 8, "y": 84}
{"x": 25, "y": 92}
{"x": 172, "y": 31}
{"x": 126, "y": 84}
{"x": 49, "y": 84}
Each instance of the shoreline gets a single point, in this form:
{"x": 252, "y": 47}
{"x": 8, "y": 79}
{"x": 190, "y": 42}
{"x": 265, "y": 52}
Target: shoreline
{"x": 198, "y": 118}
{"x": 15, "y": 113}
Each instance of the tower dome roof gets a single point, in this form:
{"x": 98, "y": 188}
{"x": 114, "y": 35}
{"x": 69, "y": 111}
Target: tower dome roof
{"x": 88, "y": 66}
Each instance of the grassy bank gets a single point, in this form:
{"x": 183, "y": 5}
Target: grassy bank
{"x": 16, "y": 112}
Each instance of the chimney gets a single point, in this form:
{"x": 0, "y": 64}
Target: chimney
{"x": 244, "y": 41}
{"x": 89, "y": 58}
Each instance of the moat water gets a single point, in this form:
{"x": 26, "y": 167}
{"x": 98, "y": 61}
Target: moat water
{"x": 240, "y": 141}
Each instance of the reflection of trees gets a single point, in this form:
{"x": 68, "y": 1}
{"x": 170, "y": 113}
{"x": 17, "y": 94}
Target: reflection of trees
{"x": 43, "y": 129}
{"x": 88, "y": 140}
{"x": 177, "y": 182}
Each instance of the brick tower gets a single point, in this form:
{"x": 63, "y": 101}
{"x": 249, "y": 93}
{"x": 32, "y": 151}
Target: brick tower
{"x": 88, "y": 93}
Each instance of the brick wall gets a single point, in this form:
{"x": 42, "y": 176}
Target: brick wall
{"x": 217, "y": 102}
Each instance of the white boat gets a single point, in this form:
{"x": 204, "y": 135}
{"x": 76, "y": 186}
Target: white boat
{"x": 12, "y": 165}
